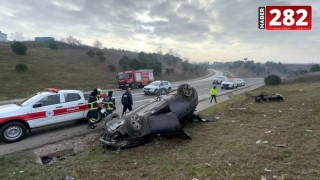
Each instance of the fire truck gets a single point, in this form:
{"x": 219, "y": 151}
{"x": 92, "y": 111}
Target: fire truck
{"x": 135, "y": 78}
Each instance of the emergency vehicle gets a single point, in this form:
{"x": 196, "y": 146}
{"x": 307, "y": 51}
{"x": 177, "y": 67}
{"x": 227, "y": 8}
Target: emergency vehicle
{"x": 51, "y": 106}
{"x": 135, "y": 78}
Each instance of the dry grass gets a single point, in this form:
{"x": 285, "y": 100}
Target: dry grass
{"x": 62, "y": 69}
{"x": 226, "y": 149}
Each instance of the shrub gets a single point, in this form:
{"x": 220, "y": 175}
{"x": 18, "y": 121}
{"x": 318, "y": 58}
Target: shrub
{"x": 272, "y": 80}
{"x": 53, "y": 46}
{"x": 102, "y": 58}
{"x": 90, "y": 53}
{"x": 21, "y": 67}
{"x": 19, "y": 48}
{"x": 99, "y": 53}
{"x": 315, "y": 68}
{"x": 112, "y": 68}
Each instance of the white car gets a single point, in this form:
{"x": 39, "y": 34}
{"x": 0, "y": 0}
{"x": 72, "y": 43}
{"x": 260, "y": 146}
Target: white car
{"x": 157, "y": 86}
{"x": 45, "y": 108}
{"x": 239, "y": 82}
{"x": 219, "y": 79}
{"x": 228, "y": 84}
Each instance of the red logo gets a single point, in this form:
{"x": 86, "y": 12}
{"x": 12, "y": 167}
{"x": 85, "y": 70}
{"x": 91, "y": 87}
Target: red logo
{"x": 285, "y": 17}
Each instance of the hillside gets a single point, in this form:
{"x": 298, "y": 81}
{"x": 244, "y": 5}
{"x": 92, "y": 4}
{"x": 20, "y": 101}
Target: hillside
{"x": 65, "y": 68}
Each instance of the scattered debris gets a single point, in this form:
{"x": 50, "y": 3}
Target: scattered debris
{"x": 195, "y": 179}
{"x": 267, "y": 170}
{"x": 233, "y": 121}
{"x": 21, "y": 171}
{"x": 281, "y": 145}
{"x": 309, "y": 130}
{"x": 207, "y": 164}
{"x": 217, "y": 118}
{"x": 264, "y": 97}
{"x": 261, "y": 142}
{"x": 267, "y": 132}
{"x": 232, "y": 109}
{"x": 303, "y": 104}
{"x": 263, "y": 178}
{"x": 280, "y": 111}
{"x": 68, "y": 178}
{"x": 264, "y": 115}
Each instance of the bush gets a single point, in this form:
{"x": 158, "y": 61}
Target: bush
{"x": 272, "y": 80}
{"x": 112, "y": 68}
{"x": 90, "y": 53}
{"x": 53, "y": 46}
{"x": 102, "y": 58}
{"x": 99, "y": 53}
{"x": 315, "y": 68}
{"x": 21, "y": 67}
{"x": 19, "y": 48}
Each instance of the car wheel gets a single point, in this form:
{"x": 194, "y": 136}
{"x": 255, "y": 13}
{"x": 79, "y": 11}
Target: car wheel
{"x": 169, "y": 89}
{"x": 13, "y": 132}
{"x": 185, "y": 90}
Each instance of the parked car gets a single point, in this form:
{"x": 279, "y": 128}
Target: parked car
{"x": 157, "y": 88}
{"x": 161, "y": 116}
{"x": 219, "y": 79}
{"x": 239, "y": 82}
{"x": 48, "y": 107}
{"x": 228, "y": 84}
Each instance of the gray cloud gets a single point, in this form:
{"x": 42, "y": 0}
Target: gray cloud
{"x": 201, "y": 29}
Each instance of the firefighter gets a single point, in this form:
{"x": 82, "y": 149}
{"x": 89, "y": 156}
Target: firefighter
{"x": 93, "y": 108}
{"x": 109, "y": 103}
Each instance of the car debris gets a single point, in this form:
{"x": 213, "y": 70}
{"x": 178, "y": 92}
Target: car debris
{"x": 264, "y": 97}
{"x": 163, "y": 115}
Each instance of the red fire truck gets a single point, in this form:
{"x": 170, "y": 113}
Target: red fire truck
{"x": 135, "y": 78}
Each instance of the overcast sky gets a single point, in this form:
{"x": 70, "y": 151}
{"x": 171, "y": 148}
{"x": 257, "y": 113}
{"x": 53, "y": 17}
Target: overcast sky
{"x": 211, "y": 30}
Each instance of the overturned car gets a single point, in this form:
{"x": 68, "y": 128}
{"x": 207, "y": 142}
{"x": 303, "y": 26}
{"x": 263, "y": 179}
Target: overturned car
{"x": 161, "y": 116}
{"x": 264, "y": 97}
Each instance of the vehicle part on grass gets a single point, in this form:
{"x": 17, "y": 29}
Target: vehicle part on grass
{"x": 263, "y": 97}
{"x": 163, "y": 115}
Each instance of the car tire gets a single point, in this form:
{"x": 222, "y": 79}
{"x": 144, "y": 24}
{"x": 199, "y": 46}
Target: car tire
{"x": 13, "y": 132}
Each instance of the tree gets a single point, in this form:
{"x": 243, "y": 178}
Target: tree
{"x": 97, "y": 44}
{"x": 53, "y": 46}
{"x": 21, "y": 67}
{"x": 102, "y": 58}
{"x": 112, "y": 68}
{"x": 17, "y": 36}
{"x": 157, "y": 70}
{"x": 315, "y": 68}
{"x": 124, "y": 62}
{"x": 272, "y": 80}
{"x": 19, "y": 48}
{"x": 99, "y": 53}
{"x": 71, "y": 40}
{"x": 90, "y": 53}
{"x": 134, "y": 64}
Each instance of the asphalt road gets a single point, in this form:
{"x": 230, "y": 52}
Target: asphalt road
{"x": 51, "y": 134}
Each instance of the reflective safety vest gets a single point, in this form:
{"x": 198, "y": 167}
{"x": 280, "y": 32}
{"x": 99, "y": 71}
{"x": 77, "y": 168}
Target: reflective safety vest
{"x": 108, "y": 103}
{"x": 213, "y": 91}
{"x": 92, "y": 103}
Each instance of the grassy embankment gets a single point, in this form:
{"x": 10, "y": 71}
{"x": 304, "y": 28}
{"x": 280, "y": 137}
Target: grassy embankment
{"x": 226, "y": 149}
{"x": 67, "y": 68}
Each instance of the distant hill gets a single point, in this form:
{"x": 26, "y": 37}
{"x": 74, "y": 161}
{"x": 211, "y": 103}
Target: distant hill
{"x": 71, "y": 67}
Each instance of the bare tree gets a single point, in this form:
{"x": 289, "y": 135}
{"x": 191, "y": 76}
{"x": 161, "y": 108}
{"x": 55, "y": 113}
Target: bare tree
{"x": 97, "y": 44}
{"x": 71, "y": 40}
{"x": 17, "y": 36}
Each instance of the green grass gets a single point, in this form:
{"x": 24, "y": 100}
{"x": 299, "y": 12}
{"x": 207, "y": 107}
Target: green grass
{"x": 225, "y": 149}
{"x": 64, "y": 69}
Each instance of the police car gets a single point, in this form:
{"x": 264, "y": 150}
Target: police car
{"x": 48, "y": 107}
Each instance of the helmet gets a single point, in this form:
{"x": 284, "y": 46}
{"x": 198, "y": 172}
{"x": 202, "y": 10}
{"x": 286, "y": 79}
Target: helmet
{"x": 99, "y": 90}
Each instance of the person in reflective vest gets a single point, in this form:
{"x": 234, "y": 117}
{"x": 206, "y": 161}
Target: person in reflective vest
{"x": 213, "y": 93}
{"x": 109, "y": 103}
{"x": 93, "y": 108}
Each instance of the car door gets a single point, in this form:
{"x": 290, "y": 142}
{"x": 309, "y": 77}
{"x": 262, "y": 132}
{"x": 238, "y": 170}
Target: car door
{"x": 73, "y": 106}
{"x": 48, "y": 107}
{"x": 166, "y": 84}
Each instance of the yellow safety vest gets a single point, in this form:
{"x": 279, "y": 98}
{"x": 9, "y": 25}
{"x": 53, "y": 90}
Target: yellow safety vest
{"x": 213, "y": 91}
